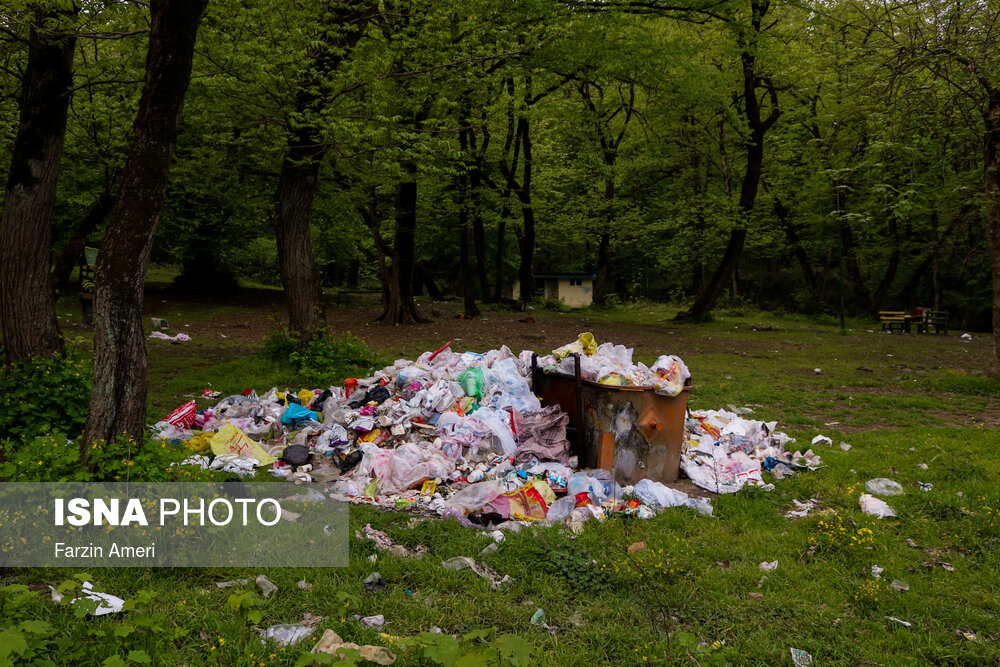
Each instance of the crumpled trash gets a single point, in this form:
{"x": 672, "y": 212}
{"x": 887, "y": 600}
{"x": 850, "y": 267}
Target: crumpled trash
{"x": 267, "y": 587}
{"x": 179, "y": 338}
{"x": 331, "y": 642}
{"x": 802, "y": 509}
{"x": 905, "y": 624}
{"x": 238, "y": 465}
{"x": 106, "y": 603}
{"x": 877, "y": 572}
{"x": 822, "y": 440}
{"x": 374, "y": 583}
{"x": 800, "y": 658}
{"x": 286, "y": 634}
{"x": 875, "y": 506}
{"x": 485, "y": 571}
{"x": 230, "y": 584}
{"x": 882, "y": 486}
{"x": 768, "y": 567}
{"x": 385, "y": 543}
{"x": 899, "y": 586}
{"x": 376, "y": 621}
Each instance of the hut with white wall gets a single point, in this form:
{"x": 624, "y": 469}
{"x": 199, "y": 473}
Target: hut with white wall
{"x": 575, "y": 289}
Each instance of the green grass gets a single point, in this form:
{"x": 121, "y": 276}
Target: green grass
{"x": 927, "y": 403}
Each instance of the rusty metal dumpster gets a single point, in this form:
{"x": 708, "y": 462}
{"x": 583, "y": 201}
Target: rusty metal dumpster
{"x": 632, "y": 431}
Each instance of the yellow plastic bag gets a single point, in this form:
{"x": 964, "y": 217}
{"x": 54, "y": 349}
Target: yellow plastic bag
{"x": 200, "y": 443}
{"x": 584, "y": 344}
{"x": 306, "y": 395}
{"x": 231, "y": 440}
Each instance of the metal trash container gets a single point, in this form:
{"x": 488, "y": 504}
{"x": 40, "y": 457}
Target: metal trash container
{"x": 632, "y": 431}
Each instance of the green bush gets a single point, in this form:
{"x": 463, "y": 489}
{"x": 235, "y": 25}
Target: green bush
{"x": 43, "y": 394}
{"x": 53, "y": 458}
{"x": 324, "y": 359}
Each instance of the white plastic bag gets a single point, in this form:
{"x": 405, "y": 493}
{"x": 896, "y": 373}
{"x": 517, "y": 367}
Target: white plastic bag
{"x": 875, "y": 506}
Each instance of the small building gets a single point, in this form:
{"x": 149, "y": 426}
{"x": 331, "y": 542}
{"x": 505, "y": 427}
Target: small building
{"x": 575, "y": 289}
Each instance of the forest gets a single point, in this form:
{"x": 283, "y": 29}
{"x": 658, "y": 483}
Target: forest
{"x": 812, "y": 156}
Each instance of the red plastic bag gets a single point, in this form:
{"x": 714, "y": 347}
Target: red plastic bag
{"x": 183, "y": 417}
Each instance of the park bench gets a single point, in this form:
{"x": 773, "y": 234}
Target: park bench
{"x": 893, "y": 319}
{"x": 934, "y": 318}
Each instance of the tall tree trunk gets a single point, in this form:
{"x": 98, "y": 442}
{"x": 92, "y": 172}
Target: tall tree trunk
{"x": 854, "y": 278}
{"x": 878, "y": 299}
{"x": 526, "y": 239}
{"x": 299, "y": 176}
{"x": 479, "y": 228}
{"x": 118, "y": 397}
{"x": 752, "y": 80}
{"x": 70, "y": 253}
{"x": 992, "y": 188}
{"x": 296, "y": 190}
{"x": 401, "y": 308}
{"x": 604, "y": 247}
{"x": 27, "y": 305}
{"x": 464, "y": 231}
{"x": 783, "y": 214}
{"x": 501, "y": 234}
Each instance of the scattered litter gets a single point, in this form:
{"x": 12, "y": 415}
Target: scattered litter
{"x": 768, "y": 567}
{"x": 331, "y": 642}
{"x": 179, "y": 338}
{"x": 266, "y": 586}
{"x": 818, "y": 371}
{"x": 373, "y": 582}
{"x": 489, "y": 550}
{"x": 875, "y": 506}
{"x": 968, "y": 634}
{"x": 230, "y": 584}
{"x": 966, "y": 337}
{"x": 800, "y": 658}
{"x": 484, "y": 571}
{"x": 905, "y": 624}
{"x": 882, "y": 486}
{"x": 802, "y": 509}
{"x": 286, "y": 634}
{"x": 158, "y": 323}
{"x": 538, "y": 618}
{"x": 899, "y": 586}
{"x": 304, "y": 585}
{"x": 877, "y": 572}
{"x": 755, "y": 595}
{"x": 925, "y": 486}
{"x": 822, "y": 440}
{"x": 911, "y": 543}
{"x": 106, "y": 603}
{"x": 922, "y": 466}
{"x": 934, "y": 562}
{"x": 844, "y": 446}
{"x": 373, "y": 621}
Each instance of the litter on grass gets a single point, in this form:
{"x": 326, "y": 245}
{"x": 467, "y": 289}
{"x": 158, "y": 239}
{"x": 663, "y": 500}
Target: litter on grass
{"x": 462, "y": 436}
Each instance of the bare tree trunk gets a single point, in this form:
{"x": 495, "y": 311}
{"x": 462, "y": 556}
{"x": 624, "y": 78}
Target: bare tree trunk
{"x": 889, "y": 276}
{"x": 601, "y": 279}
{"x": 759, "y": 126}
{"x": 401, "y": 308}
{"x": 118, "y": 397}
{"x": 299, "y": 176}
{"x": 296, "y": 190}
{"x": 501, "y": 233}
{"x": 464, "y": 231}
{"x": 992, "y": 178}
{"x": 783, "y": 214}
{"x": 27, "y": 306}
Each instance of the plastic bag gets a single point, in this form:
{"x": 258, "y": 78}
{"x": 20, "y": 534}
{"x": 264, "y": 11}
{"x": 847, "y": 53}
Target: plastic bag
{"x": 295, "y": 413}
{"x": 584, "y": 344}
{"x": 528, "y": 502}
{"x": 231, "y": 440}
{"x": 183, "y": 417}
{"x": 561, "y": 508}
{"x": 669, "y": 375}
{"x": 511, "y": 388}
{"x": 472, "y": 381}
{"x": 473, "y": 497}
{"x": 656, "y": 494}
{"x": 881, "y": 486}
{"x": 875, "y": 506}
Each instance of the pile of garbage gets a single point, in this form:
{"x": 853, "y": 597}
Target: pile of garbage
{"x": 462, "y": 435}
{"x": 725, "y": 452}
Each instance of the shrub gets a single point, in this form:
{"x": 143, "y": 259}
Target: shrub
{"x": 323, "y": 359}
{"x": 43, "y": 394}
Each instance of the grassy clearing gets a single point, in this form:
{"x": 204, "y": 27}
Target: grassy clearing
{"x": 696, "y": 595}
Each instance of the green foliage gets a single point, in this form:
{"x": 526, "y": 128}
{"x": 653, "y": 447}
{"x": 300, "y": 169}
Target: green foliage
{"x": 570, "y": 562}
{"x": 43, "y": 394}
{"x": 554, "y": 303}
{"x": 53, "y": 458}
{"x": 324, "y": 359}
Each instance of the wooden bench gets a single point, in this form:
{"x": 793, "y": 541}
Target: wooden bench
{"x": 892, "y": 319}
{"x": 934, "y": 318}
